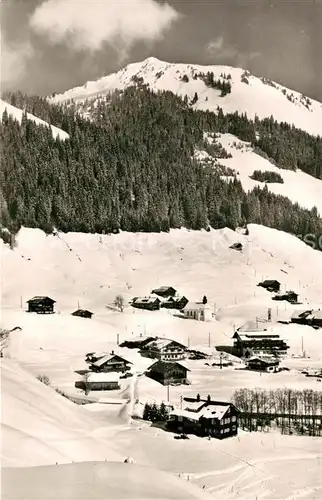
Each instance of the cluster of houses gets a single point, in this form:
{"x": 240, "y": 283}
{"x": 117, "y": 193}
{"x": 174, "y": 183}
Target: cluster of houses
{"x": 167, "y": 297}
{"x": 275, "y": 286}
{"x": 46, "y": 305}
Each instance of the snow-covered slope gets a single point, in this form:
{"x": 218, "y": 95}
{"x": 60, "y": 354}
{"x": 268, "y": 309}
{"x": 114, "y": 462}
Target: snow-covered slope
{"x": 249, "y": 94}
{"x": 17, "y": 114}
{"x": 298, "y": 186}
{"x": 97, "y": 481}
{"x": 43, "y": 425}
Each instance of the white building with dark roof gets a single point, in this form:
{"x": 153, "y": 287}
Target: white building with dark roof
{"x": 197, "y": 311}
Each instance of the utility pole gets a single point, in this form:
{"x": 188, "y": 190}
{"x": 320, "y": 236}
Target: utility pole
{"x": 118, "y": 338}
{"x": 188, "y": 341}
{"x": 78, "y": 305}
{"x": 181, "y": 401}
{"x": 220, "y": 357}
{"x": 209, "y": 339}
{"x": 21, "y": 301}
{"x": 269, "y": 314}
{"x": 168, "y": 393}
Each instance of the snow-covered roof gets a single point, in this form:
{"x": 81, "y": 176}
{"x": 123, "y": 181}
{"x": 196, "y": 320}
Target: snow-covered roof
{"x": 194, "y": 405}
{"x": 162, "y": 289}
{"x": 208, "y": 411}
{"x": 39, "y": 299}
{"x": 264, "y": 359}
{"x": 102, "y": 377}
{"x": 301, "y": 314}
{"x": 145, "y": 300}
{"x": 161, "y": 343}
{"x": 107, "y": 358}
{"x": 248, "y": 336}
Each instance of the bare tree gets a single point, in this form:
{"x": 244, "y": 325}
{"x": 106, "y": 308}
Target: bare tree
{"x": 119, "y": 302}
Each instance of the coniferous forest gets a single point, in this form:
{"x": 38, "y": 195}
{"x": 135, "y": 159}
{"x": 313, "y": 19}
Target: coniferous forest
{"x": 131, "y": 166}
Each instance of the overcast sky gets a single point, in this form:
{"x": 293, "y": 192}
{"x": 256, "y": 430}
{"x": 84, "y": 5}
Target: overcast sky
{"x": 52, "y": 45}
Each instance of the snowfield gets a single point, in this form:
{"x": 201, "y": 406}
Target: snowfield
{"x": 88, "y": 270}
{"x": 298, "y": 186}
{"x": 17, "y": 114}
{"x": 258, "y": 97}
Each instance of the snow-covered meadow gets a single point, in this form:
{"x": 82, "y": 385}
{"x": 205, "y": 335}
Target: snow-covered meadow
{"x": 89, "y": 271}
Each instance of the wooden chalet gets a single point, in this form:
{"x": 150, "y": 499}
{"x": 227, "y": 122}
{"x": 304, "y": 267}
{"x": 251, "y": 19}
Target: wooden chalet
{"x": 41, "y": 305}
{"x": 249, "y": 343}
{"x": 270, "y": 285}
{"x": 309, "y": 317}
{"x": 290, "y": 296}
{"x": 301, "y": 317}
{"x": 149, "y": 303}
{"x": 164, "y": 291}
{"x": 168, "y": 373}
{"x": 164, "y": 349}
{"x": 175, "y": 303}
{"x": 111, "y": 363}
{"x": 263, "y": 363}
{"x": 83, "y": 313}
{"x": 205, "y": 417}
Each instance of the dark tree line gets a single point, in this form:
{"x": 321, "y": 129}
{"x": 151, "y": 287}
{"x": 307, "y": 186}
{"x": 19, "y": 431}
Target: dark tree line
{"x": 292, "y": 411}
{"x": 130, "y": 167}
{"x": 267, "y": 176}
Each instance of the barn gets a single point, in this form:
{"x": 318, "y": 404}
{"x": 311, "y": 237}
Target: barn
{"x": 168, "y": 372}
{"x": 41, "y": 305}
{"x": 83, "y": 313}
{"x": 270, "y": 285}
{"x": 165, "y": 291}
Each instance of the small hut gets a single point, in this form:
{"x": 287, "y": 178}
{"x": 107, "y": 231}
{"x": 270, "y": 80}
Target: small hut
{"x": 41, "y": 305}
{"x": 83, "y": 313}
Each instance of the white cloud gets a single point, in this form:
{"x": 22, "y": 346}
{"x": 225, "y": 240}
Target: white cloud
{"x": 225, "y": 52}
{"x": 14, "y": 61}
{"x": 88, "y": 24}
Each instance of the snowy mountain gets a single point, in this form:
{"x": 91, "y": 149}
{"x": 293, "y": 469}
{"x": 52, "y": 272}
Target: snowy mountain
{"x": 244, "y": 93}
{"x": 243, "y": 160}
{"x": 17, "y": 114}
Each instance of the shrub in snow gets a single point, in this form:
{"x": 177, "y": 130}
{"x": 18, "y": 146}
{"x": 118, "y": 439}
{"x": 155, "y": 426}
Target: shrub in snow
{"x": 44, "y": 379}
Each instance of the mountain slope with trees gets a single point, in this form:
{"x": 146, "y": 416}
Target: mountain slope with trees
{"x": 131, "y": 167}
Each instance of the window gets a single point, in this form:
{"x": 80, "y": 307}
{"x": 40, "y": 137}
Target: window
{"x": 233, "y": 428}
{"x": 222, "y": 431}
{"x": 233, "y": 419}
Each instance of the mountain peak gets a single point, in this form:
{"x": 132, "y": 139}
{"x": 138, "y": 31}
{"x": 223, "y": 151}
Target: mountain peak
{"x": 209, "y": 87}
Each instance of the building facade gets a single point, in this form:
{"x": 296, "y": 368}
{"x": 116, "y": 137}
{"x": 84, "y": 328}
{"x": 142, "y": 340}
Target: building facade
{"x": 168, "y": 373}
{"x": 205, "y": 418}
{"x": 111, "y": 363}
{"x": 197, "y": 311}
{"x": 148, "y": 303}
{"x": 41, "y": 305}
{"x": 175, "y": 303}
{"x": 164, "y": 350}
{"x": 249, "y": 343}
{"x": 263, "y": 363}
{"x": 164, "y": 291}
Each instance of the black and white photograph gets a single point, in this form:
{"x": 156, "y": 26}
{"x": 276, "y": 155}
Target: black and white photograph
{"x": 161, "y": 249}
